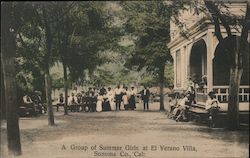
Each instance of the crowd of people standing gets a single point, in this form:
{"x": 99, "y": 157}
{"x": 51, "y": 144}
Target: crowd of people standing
{"x": 105, "y": 99}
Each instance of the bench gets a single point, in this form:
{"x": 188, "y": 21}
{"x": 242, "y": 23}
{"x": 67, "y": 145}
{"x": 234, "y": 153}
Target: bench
{"x": 200, "y": 114}
{"x": 197, "y": 112}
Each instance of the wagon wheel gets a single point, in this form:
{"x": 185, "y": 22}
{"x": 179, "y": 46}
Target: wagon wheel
{"x": 86, "y": 108}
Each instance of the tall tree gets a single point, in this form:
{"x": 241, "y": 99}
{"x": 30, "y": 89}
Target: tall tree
{"x": 148, "y": 23}
{"x": 64, "y": 32}
{"x": 8, "y": 54}
{"x": 35, "y": 37}
{"x": 238, "y": 50}
{"x": 48, "y": 49}
{"x": 79, "y": 48}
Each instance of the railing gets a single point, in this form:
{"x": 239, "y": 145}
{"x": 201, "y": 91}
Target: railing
{"x": 222, "y": 93}
{"x": 201, "y": 90}
{"x": 201, "y": 95}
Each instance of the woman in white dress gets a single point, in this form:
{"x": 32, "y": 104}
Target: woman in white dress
{"x": 110, "y": 95}
{"x": 99, "y": 103}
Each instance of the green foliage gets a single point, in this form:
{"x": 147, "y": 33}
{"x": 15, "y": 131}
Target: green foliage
{"x": 112, "y": 74}
{"x": 79, "y": 35}
{"x": 148, "y": 21}
{"x": 169, "y": 75}
{"x": 83, "y": 35}
{"x": 57, "y": 81}
{"x": 149, "y": 79}
{"x": 152, "y": 79}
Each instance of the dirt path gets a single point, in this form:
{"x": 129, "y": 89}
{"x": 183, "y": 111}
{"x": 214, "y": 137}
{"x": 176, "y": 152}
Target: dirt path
{"x": 124, "y": 134}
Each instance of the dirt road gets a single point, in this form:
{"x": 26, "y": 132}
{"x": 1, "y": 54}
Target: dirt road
{"x": 124, "y": 134}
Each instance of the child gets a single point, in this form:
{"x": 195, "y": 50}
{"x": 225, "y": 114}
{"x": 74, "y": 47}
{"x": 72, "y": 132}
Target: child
{"x": 125, "y": 101}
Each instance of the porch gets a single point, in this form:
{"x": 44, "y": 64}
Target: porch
{"x": 222, "y": 93}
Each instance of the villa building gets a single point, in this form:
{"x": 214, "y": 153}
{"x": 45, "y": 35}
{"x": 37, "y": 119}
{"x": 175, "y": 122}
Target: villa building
{"x": 200, "y": 55}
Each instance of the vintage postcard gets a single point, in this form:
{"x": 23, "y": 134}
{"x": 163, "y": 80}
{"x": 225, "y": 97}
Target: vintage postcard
{"x": 125, "y": 79}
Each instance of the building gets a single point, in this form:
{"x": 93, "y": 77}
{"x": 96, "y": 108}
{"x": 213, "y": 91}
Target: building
{"x": 200, "y": 55}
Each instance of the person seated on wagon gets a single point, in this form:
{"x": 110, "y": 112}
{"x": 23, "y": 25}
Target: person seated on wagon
{"x": 37, "y": 100}
{"x": 27, "y": 100}
{"x": 79, "y": 101}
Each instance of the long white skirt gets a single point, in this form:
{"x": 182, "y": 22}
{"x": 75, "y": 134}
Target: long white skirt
{"x": 99, "y": 106}
{"x": 112, "y": 105}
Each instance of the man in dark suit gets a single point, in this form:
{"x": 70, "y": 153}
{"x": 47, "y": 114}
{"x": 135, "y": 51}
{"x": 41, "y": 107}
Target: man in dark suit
{"x": 145, "y": 94}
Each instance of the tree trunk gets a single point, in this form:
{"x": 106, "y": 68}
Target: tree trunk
{"x": 234, "y": 84}
{"x": 48, "y": 98}
{"x": 48, "y": 39}
{"x": 161, "y": 75}
{"x": 233, "y": 100}
{"x": 2, "y": 107}
{"x": 65, "y": 89}
{"x": 8, "y": 53}
{"x": 237, "y": 65}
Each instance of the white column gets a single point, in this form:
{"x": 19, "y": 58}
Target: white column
{"x": 183, "y": 67}
{"x": 188, "y": 52}
{"x": 174, "y": 66}
{"x": 209, "y": 60}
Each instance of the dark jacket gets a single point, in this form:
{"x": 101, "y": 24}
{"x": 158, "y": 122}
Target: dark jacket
{"x": 145, "y": 97}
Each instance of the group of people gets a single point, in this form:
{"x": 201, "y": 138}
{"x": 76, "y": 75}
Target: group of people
{"x": 32, "y": 103}
{"x": 97, "y": 100}
{"x": 181, "y": 103}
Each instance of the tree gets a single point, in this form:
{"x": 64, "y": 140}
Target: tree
{"x": 148, "y": 23}
{"x": 64, "y": 32}
{"x": 80, "y": 49}
{"x": 35, "y": 42}
{"x": 29, "y": 58}
{"x": 240, "y": 50}
{"x": 7, "y": 59}
{"x": 55, "y": 33}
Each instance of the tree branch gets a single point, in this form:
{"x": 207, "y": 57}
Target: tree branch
{"x": 67, "y": 10}
{"x": 217, "y": 31}
{"x": 214, "y": 11}
{"x": 246, "y": 25}
{"x": 21, "y": 40}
